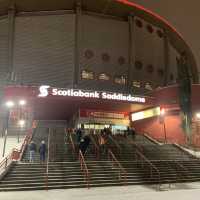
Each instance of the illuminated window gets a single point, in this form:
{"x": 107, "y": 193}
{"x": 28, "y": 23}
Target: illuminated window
{"x": 153, "y": 112}
{"x": 104, "y": 77}
{"x": 148, "y": 86}
{"x": 89, "y": 75}
{"x": 136, "y": 84}
{"x": 120, "y": 80}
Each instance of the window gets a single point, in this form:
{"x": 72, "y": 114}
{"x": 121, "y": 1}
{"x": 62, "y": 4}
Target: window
{"x": 148, "y": 86}
{"x": 104, "y": 77}
{"x": 105, "y": 57}
{"x": 136, "y": 84}
{"x": 160, "y": 72}
{"x": 85, "y": 74}
{"x": 150, "y": 28}
{"x": 121, "y": 60}
{"x": 150, "y": 68}
{"x": 120, "y": 80}
{"x": 138, "y": 65}
{"x": 89, "y": 54}
{"x": 138, "y": 23}
{"x": 159, "y": 33}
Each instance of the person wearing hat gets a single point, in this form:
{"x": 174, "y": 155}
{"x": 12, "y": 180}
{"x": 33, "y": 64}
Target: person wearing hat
{"x": 42, "y": 151}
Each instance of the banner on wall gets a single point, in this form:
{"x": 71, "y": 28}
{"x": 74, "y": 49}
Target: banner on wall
{"x": 103, "y": 114}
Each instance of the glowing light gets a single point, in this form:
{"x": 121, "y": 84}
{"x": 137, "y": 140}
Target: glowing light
{"x": 10, "y": 104}
{"x": 137, "y": 116}
{"x": 162, "y": 111}
{"x": 21, "y": 122}
{"x": 198, "y": 115}
{"x": 145, "y": 114}
{"x": 22, "y": 102}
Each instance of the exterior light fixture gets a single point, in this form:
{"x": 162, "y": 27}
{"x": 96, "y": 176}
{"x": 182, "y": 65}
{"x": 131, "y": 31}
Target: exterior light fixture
{"x": 21, "y": 122}
{"x": 10, "y": 104}
{"x": 22, "y": 102}
{"x": 198, "y": 115}
{"x": 162, "y": 111}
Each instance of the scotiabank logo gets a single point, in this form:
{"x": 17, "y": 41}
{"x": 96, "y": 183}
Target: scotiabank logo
{"x": 43, "y": 91}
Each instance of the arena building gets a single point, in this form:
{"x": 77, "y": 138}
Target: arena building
{"x": 115, "y": 49}
{"x": 105, "y": 64}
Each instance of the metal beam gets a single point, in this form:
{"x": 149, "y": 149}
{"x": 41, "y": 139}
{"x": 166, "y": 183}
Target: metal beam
{"x": 11, "y": 30}
{"x": 131, "y": 53}
{"x": 45, "y": 13}
{"x": 166, "y": 59}
{"x": 77, "y": 45}
{"x": 106, "y": 7}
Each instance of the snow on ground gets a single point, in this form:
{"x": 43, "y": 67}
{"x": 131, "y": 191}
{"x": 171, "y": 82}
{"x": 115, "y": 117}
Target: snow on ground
{"x": 183, "y": 192}
{"x": 10, "y": 144}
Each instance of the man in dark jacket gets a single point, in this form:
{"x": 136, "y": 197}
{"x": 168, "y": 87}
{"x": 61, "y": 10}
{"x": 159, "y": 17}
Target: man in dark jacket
{"x": 42, "y": 151}
{"x": 84, "y": 144}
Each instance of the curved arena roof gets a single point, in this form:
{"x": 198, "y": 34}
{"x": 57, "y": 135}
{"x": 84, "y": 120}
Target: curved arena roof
{"x": 116, "y": 8}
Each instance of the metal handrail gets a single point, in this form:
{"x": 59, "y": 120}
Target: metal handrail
{"x": 122, "y": 171}
{"x": 137, "y": 146}
{"x": 84, "y": 168}
{"x": 5, "y": 163}
{"x": 150, "y": 164}
{"x": 116, "y": 143}
{"x": 180, "y": 168}
{"x": 96, "y": 146}
{"x": 47, "y": 166}
{"x": 71, "y": 141}
{"x": 27, "y": 139}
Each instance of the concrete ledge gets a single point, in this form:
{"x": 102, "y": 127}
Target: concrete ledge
{"x": 3, "y": 173}
{"x": 187, "y": 151}
{"x": 152, "y": 139}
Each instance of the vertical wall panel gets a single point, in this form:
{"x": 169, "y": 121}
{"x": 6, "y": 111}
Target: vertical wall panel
{"x": 3, "y": 47}
{"x": 150, "y": 51}
{"x": 44, "y": 50}
{"x": 173, "y": 54}
{"x": 3, "y": 65}
{"x": 102, "y": 35}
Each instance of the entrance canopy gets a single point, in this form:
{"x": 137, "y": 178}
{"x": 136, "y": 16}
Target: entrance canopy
{"x": 50, "y": 103}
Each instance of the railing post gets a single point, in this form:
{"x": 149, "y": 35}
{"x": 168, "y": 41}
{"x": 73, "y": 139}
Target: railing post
{"x": 47, "y": 166}
{"x": 6, "y": 163}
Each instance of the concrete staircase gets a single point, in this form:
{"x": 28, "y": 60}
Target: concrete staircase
{"x": 168, "y": 164}
{"x": 173, "y": 164}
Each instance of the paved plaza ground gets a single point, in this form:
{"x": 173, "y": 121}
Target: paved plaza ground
{"x": 182, "y": 192}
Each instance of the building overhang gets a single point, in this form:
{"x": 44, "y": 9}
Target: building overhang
{"x": 62, "y": 105}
